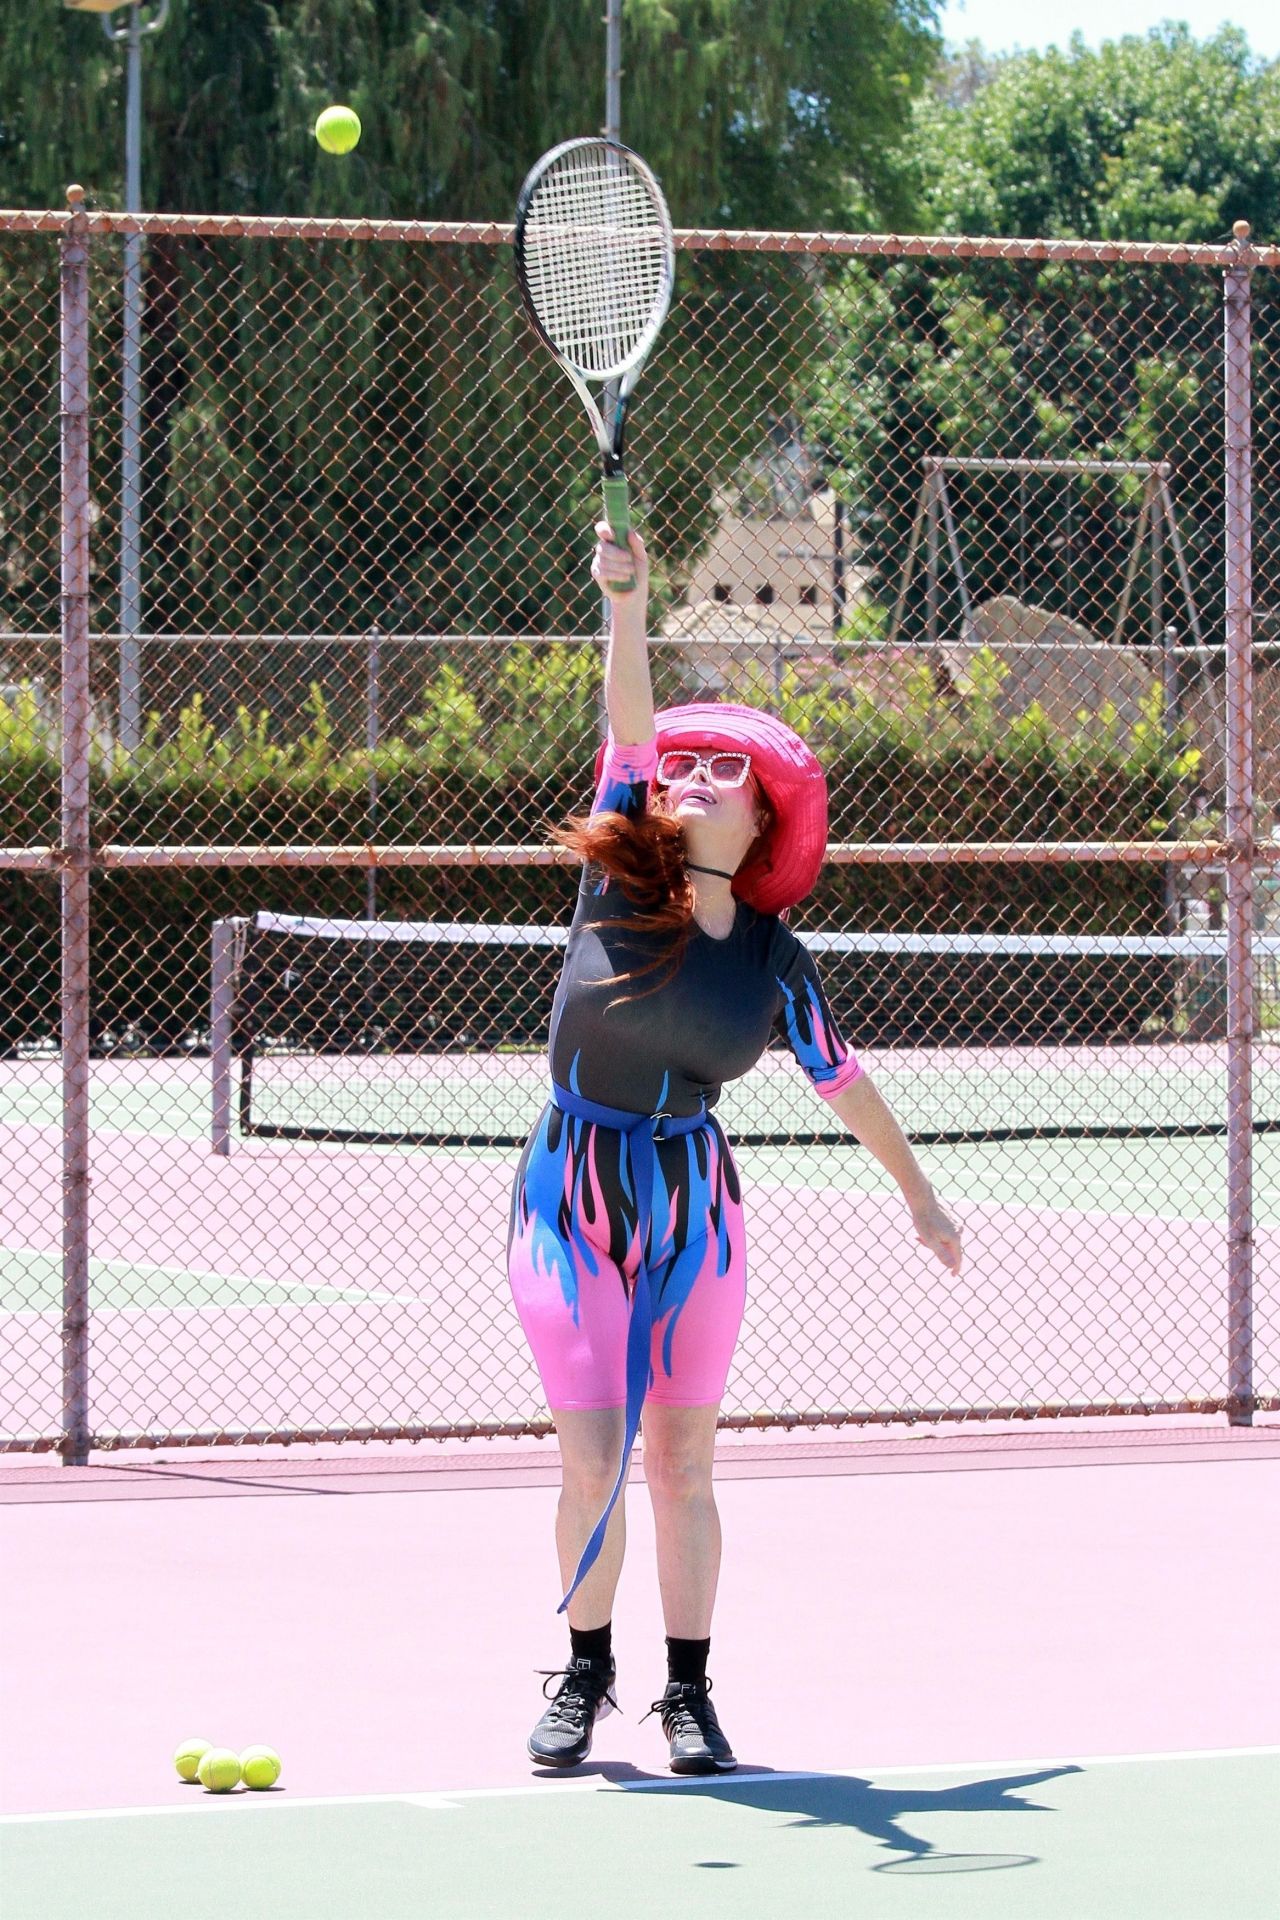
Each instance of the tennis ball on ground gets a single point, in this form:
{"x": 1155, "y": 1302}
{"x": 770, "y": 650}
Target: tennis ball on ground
{"x": 338, "y": 129}
{"x": 188, "y": 1755}
{"x": 219, "y": 1770}
{"x": 260, "y": 1767}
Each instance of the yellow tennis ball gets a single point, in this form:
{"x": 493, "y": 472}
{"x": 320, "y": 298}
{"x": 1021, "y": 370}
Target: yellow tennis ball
{"x": 188, "y": 1755}
{"x": 260, "y": 1767}
{"x": 338, "y": 129}
{"x": 219, "y": 1770}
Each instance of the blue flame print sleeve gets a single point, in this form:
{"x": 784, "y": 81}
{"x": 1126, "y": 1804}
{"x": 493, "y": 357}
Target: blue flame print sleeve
{"x": 806, "y": 1019}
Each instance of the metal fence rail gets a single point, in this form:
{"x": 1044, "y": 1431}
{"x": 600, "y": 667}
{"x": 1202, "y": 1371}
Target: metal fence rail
{"x": 981, "y": 517}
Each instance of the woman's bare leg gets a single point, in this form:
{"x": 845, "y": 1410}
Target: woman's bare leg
{"x": 679, "y": 1451}
{"x": 589, "y": 1446}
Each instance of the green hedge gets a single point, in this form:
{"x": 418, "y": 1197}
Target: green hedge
{"x": 926, "y": 772}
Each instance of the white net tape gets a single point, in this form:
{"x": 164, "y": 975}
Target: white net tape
{"x": 597, "y": 257}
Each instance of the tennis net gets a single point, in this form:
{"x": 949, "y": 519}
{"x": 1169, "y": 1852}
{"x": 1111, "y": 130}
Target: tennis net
{"x": 434, "y": 1033}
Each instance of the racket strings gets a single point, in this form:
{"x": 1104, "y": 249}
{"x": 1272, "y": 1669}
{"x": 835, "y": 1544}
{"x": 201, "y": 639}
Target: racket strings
{"x": 597, "y": 259}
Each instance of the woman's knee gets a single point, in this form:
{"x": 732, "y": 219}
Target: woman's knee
{"x": 678, "y": 1462}
{"x": 678, "y": 1483}
{"x": 589, "y": 1449}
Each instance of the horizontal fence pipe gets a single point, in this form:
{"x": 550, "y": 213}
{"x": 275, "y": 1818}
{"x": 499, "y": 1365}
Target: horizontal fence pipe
{"x": 766, "y": 637}
{"x": 1138, "y": 853}
{"x": 224, "y": 226}
{"x": 495, "y": 233}
{"x": 539, "y": 1429}
{"x": 31, "y": 860}
{"x": 943, "y": 463}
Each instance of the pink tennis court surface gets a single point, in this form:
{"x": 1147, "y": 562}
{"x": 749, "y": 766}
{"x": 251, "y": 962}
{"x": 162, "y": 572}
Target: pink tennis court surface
{"x": 970, "y": 1673}
{"x": 1001, "y": 1613}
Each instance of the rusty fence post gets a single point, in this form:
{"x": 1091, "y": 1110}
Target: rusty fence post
{"x": 1241, "y": 851}
{"x": 74, "y": 416}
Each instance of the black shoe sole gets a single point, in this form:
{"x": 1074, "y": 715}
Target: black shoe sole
{"x": 557, "y": 1759}
{"x": 703, "y": 1766}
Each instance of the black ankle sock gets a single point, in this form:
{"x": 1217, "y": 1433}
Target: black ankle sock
{"x": 592, "y": 1643}
{"x": 687, "y": 1659}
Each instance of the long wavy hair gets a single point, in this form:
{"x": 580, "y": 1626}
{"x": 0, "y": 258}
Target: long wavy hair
{"x": 646, "y": 855}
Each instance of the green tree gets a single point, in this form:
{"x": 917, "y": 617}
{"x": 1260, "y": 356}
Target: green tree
{"x": 1159, "y": 137}
{"x": 1154, "y": 138}
{"x": 753, "y": 111}
{"x": 339, "y": 433}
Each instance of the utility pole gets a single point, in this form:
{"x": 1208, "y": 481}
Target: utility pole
{"x": 129, "y": 718}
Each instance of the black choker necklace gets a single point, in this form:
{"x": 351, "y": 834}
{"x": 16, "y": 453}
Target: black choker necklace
{"x": 719, "y": 872}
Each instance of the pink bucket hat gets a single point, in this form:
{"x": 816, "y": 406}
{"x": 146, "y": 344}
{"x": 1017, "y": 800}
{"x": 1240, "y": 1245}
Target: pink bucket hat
{"x": 791, "y": 776}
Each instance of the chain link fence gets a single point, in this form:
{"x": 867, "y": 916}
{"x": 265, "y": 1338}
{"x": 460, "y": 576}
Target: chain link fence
{"x": 300, "y": 661}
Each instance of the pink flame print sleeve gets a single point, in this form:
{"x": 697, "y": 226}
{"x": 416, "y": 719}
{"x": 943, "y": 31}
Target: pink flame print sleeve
{"x": 623, "y": 787}
{"x": 625, "y": 778}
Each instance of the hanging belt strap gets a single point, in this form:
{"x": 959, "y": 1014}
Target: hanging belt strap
{"x": 641, "y": 1131}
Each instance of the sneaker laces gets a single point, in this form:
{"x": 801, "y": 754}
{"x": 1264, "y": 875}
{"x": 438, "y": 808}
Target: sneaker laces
{"x": 679, "y": 1711}
{"x": 578, "y": 1698}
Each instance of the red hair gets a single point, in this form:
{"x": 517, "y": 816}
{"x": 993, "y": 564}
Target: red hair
{"x": 646, "y": 855}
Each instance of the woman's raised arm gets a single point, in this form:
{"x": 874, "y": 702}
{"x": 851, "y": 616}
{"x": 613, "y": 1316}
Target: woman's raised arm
{"x": 628, "y": 691}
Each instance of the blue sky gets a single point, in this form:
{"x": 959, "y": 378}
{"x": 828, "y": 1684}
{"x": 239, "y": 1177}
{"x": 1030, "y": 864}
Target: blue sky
{"x": 1003, "y": 25}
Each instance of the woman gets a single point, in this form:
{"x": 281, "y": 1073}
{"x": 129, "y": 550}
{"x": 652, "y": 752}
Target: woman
{"x": 626, "y": 1249}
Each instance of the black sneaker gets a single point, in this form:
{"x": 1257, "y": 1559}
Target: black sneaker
{"x": 689, "y": 1721}
{"x": 563, "y": 1735}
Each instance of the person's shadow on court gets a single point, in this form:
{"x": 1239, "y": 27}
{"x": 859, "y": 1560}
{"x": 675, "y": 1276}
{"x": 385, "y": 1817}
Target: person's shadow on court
{"x": 846, "y": 1800}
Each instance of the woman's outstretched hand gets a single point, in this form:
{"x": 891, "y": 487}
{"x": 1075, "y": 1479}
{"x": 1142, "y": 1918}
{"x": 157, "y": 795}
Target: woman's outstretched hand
{"x": 937, "y": 1231}
{"x": 612, "y": 564}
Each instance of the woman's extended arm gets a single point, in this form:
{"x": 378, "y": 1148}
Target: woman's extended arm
{"x": 628, "y": 692}
{"x": 863, "y": 1110}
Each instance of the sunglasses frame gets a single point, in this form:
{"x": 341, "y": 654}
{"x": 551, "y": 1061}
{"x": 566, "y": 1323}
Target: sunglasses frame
{"x": 704, "y": 759}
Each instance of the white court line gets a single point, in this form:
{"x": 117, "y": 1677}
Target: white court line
{"x": 442, "y": 1801}
{"x": 129, "y": 1268}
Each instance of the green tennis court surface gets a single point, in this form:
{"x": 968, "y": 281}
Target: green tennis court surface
{"x": 1150, "y": 1838}
{"x": 298, "y": 1283}
{"x": 158, "y": 1101}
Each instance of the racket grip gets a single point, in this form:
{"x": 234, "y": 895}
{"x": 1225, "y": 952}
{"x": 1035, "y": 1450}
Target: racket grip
{"x": 617, "y": 511}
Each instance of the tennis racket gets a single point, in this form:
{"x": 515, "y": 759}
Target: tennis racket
{"x": 596, "y": 264}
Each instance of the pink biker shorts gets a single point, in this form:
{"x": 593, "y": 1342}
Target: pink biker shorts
{"x": 572, "y": 1255}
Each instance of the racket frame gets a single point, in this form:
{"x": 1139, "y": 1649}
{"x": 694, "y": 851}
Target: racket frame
{"x": 610, "y": 430}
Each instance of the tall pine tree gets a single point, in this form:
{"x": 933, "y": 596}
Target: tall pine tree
{"x": 778, "y": 112}
{"x": 341, "y": 433}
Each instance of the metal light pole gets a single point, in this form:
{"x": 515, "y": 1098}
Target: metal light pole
{"x": 612, "y": 131}
{"x": 129, "y": 723}
{"x": 613, "y": 70}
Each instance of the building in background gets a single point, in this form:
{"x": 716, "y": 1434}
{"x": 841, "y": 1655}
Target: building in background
{"x": 766, "y": 592}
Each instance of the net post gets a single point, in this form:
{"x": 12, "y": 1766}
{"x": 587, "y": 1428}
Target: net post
{"x": 372, "y": 735}
{"x": 76, "y": 855}
{"x": 1170, "y": 718}
{"x": 222, "y": 993}
{"x": 1241, "y": 1011}
{"x": 931, "y": 555}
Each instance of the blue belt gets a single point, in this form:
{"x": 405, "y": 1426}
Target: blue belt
{"x": 641, "y": 1131}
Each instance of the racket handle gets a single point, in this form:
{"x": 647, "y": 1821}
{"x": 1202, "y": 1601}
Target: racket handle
{"x": 617, "y": 511}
